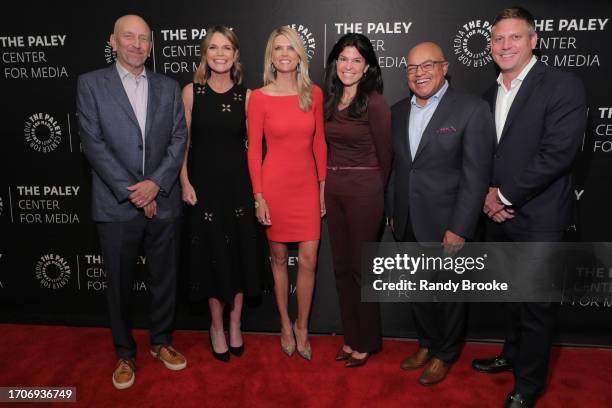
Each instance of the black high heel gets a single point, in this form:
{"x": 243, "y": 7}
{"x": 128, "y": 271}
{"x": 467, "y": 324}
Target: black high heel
{"x": 237, "y": 351}
{"x": 225, "y": 357}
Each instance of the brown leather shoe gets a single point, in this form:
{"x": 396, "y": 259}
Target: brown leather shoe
{"x": 416, "y": 360}
{"x": 435, "y": 371}
{"x": 171, "y": 358}
{"x": 123, "y": 376}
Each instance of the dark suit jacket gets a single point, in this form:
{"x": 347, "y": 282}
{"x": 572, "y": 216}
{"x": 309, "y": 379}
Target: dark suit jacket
{"x": 539, "y": 143}
{"x": 444, "y": 187}
{"x": 112, "y": 142}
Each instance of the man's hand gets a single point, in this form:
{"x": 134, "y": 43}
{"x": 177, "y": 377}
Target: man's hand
{"x": 150, "y": 209}
{"x": 503, "y": 215}
{"x": 452, "y": 242}
{"x": 143, "y": 193}
{"x": 491, "y": 205}
{"x": 495, "y": 210}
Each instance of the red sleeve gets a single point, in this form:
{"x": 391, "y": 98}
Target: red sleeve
{"x": 319, "y": 146}
{"x": 379, "y": 118}
{"x": 255, "y": 120}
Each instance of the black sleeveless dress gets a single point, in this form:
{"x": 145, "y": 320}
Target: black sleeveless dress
{"x": 227, "y": 252}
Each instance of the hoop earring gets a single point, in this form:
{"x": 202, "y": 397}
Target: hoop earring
{"x": 298, "y": 68}
{"x": 273, "y": 68}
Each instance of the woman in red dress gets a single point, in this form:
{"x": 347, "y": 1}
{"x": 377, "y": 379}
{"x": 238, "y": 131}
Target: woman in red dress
{"x": 288, "y": 183}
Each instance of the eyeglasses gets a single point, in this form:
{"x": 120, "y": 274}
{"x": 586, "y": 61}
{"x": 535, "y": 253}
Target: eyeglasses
{"x": 426, "y": 66}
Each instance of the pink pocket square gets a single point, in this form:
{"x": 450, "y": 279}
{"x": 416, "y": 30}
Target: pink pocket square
{"x": 446, "y": 130}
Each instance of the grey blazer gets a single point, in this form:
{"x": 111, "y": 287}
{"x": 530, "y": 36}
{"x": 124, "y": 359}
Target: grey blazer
{"x": 444, "y": 187}
{"x": 112, "y": 143}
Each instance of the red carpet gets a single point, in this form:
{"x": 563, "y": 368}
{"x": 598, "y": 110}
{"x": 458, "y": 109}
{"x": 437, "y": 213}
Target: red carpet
{"x": 265, "y": 377}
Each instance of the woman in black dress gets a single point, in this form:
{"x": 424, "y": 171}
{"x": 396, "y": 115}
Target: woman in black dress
{"x": 223, "y": 245}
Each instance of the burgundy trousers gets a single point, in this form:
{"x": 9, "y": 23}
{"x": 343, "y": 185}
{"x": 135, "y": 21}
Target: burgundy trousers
{"x": 354, "y": 200}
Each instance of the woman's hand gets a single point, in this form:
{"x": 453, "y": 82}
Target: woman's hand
{"x": 261, "y": 210}
{"x": 189, "y": 194}
{"x": 322, "y": 198}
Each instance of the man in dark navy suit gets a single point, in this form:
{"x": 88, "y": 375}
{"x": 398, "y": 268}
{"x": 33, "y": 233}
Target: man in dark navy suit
{"x": 443, "y": 144}
{"x": 540, "y": 118}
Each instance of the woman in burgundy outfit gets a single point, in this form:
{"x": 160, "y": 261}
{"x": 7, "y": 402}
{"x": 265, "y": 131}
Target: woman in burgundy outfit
{"x": 358, "y": 132}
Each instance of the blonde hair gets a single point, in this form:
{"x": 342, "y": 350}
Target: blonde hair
{"x": 304, "y": 84}
{"x": 203, "y": 72}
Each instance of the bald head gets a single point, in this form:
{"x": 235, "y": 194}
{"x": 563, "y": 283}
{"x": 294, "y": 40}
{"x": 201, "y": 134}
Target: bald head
{"x": 129, "y": 20}
{"x": 425, "y": 51}
{"x": 131, "y": 40}
{"x": 427, "y": 69}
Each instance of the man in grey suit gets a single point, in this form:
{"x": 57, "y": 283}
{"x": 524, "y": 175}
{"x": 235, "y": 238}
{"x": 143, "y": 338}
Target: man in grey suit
{"x": 132, "y": 127}
{"x": 443, "y": 146}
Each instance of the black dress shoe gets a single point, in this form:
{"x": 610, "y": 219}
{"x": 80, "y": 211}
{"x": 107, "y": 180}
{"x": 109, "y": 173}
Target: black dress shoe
{"x": 342, "y": 355}
{"x": 516, "y": 400}
{"x": 492, "y": 365}
{"x": 237, "y": 351}
{"x": 353, "y": 362}
{"x": 225, "y": 357}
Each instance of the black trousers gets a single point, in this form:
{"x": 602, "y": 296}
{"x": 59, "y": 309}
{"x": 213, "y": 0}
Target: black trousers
{"x": 352, "y": 220}
{"x": 440, "y": 326}
{"x": 120, "y": 242}
{"x": 528, "y": 326}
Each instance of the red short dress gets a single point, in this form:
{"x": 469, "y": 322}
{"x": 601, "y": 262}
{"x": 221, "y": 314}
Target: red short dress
{"x": 294, "y": 163}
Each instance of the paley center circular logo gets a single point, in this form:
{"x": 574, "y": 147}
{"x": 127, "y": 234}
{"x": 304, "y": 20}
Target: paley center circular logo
{"x": 307, "y": 38}
{"x": 472, "y": 43}
{"x": 52, "y": 271}
{"x": 109, "y": 55}
{"x": 42, "y": 132}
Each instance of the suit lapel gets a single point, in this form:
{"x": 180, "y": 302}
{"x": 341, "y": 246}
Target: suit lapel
{"x": 443, "y": 109}
{"x": 117, "y": 91}
{"x": 405, "y": 121}
{"x": 400, "y": 129}
{"x": 490, "y": 96}
{"x": 527, "y": 87}
{"x": 153, "y": 100}
{"x": 406, "y": 138}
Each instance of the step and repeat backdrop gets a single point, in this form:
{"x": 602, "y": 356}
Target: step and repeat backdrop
{"x": 51, "y": 270}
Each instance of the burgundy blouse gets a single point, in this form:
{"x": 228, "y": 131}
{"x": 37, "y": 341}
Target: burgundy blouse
{"x": 364, "y": 141}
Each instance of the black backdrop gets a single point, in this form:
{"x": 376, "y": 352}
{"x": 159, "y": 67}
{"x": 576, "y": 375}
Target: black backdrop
{"x": 50, "y": 265}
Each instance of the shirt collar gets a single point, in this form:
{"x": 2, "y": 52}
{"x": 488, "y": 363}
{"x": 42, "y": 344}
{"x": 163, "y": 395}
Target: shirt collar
{"x": 520, "y": 77}
{"x": 124, "y": 72}
{"x": 435, "y": 98}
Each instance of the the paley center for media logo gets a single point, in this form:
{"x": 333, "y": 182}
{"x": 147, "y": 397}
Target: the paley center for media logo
{"x": 472, "y": 44}
{"x": 52, "y": 271}
{"x": 42, "y": 132}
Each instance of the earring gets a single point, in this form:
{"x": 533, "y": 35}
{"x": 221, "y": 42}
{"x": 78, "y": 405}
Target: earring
{"x": 273, "y": 68}
{"x": 298, "y": 68}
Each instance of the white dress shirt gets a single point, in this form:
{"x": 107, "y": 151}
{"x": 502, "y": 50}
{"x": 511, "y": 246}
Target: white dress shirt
{"x": 137, "y": 90}
{"x": 504, "y": 100}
